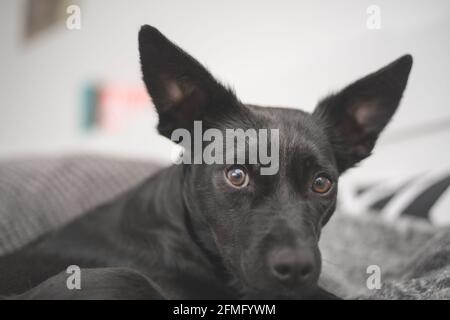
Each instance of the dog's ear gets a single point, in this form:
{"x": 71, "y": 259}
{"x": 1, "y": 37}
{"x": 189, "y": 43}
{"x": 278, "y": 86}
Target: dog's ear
{"x": 182, "y": 90}
{"x": 355, "y": 116}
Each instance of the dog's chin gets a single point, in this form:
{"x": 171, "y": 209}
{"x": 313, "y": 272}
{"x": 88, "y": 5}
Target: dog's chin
{"x": 277, "y": 293}
{"x": 257, "y": 287}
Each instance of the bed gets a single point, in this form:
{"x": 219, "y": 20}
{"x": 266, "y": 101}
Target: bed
{"x": 364, "y": 257}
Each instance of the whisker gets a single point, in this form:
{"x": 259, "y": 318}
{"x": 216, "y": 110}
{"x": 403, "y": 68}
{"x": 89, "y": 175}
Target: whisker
{"x": 331, "y": 262}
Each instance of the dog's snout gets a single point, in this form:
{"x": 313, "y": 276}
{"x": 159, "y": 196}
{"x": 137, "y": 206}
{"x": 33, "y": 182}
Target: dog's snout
{"x": 294, "y": 267}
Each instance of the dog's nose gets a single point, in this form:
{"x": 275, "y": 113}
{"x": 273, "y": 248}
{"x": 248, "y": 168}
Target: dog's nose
{"x": 292, "y": 267}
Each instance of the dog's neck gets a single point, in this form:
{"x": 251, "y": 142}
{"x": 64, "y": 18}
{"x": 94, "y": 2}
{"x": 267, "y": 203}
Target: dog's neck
{"x": 198, "y": 228}
{"x": 163, "y": 205}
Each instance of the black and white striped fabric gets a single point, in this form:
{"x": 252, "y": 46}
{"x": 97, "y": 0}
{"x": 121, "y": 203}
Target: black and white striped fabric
{"x": 425, "y": 196}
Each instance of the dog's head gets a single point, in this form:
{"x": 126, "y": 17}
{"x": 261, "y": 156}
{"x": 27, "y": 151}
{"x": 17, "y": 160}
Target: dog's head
{"x": 265, "y": 228}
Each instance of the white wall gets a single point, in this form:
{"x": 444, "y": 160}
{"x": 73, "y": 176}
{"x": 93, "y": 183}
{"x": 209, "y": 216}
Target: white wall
{"x": 286, "y": 53}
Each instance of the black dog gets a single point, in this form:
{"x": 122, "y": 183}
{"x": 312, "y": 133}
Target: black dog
{"x": 215, "y": 231}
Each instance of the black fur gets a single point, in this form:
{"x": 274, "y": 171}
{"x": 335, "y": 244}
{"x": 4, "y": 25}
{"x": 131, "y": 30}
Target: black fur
{"x": 186, "y": 233}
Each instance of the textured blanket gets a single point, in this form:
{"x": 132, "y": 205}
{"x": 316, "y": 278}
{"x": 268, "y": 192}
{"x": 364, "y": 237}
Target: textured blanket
{"x": 363, "y": 257}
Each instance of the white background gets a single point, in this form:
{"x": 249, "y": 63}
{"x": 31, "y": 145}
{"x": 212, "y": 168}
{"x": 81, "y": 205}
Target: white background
{"x": 286, "y": 53}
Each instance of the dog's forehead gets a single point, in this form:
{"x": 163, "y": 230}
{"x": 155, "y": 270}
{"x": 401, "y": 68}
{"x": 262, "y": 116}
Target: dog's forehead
{"x": 300, "y": 135}
{"x": 296, "y": 127}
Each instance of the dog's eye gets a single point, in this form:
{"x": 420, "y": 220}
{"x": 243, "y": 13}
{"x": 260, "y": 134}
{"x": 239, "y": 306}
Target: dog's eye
{"x": 237, "y": 176}
{"x": 321, "y": 184}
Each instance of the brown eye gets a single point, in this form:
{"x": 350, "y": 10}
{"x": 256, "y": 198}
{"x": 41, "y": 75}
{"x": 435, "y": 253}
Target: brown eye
{"x": 321, "y": 184}
{"x": 237, "y": 176}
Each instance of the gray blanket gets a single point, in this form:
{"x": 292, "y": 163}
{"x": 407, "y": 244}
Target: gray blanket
{"x": 40, "y": 194}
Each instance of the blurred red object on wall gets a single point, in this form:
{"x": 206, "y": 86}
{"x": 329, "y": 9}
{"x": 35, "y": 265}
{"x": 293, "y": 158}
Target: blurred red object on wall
{"x": 111, "y": 106}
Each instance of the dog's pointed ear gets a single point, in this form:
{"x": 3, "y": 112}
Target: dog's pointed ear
{"x": 355, "y": 116}
{"x": 182, "y": 90}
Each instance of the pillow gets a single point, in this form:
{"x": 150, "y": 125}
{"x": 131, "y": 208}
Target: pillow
{"x": 40, "y": 194}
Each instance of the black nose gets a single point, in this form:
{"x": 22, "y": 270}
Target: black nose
{"x": 293, "y": 267}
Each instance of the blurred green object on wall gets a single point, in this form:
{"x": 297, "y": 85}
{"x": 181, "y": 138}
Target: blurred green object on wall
{"x": 89, "y": 114}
